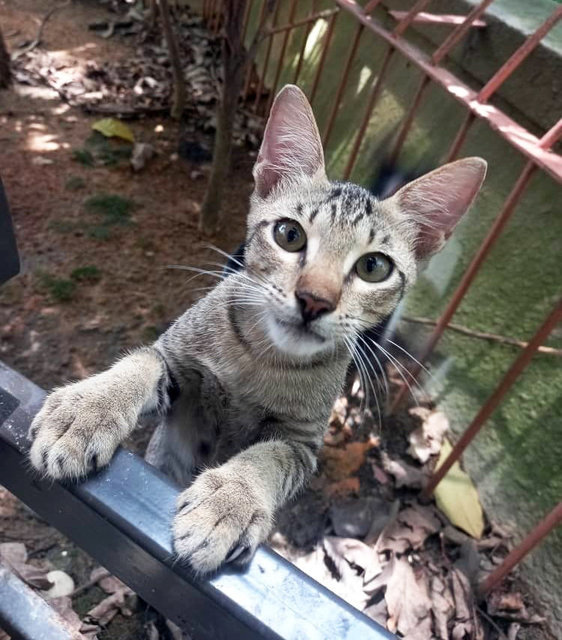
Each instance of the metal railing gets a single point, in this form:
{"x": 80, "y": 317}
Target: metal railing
{"x": 537, "y": 151}
{"x": 123, "y": 516}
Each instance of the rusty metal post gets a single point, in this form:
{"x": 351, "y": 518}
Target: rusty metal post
{"x": 375, "y": 92}
{"x": 371, "y": 6}
{"x": 291, "y": 18}
{"x": 460, "y": 137}
{"x": 469, "y": 275}
{"x": 251, "y": 62}
{"x": 325, "y": 46}
{"x": 459, "y": 33}
{"x": 418, "y": 97}
{"x": 517, "y": 58}
{"x": 401, "y": 27}
{"x": 342, "y": 84}
{"x": 551, "y": 136}
{"x": 247, "y": 13}
{"x": 548, "y": 524}
{"x": 298, "y": 68}
{"x": 518, "y": 366}
{"x": 263, "y": 73}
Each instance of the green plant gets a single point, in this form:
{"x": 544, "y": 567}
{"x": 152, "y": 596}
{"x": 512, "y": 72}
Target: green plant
{"x": 83, "y": 156}
{"x": 115, "y": 209}
{"x": 89, "y": 274}
{"x": 59, "y": 289}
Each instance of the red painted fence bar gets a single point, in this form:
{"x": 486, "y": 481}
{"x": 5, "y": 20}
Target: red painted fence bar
{"x": 343, "y": 82}
{"x": 375, "y": 93}
{"x": 458, "y": 34}
{"x": 493, "y": 234}
{"x": 507, "y": 128}
{"x": 494, "y": 400}
{"x": 286, "y": 34}
{"x": 325, "y": 46}
{"x": 552, "y": 520}
{"x": 517, "y": 58}
{"x": 445, "y": 19}
{"x": 410, "y": 16}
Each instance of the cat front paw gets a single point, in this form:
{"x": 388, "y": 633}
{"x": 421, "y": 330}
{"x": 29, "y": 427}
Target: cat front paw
{"x": 76, "y": 431}
{"x": 220, "y": 519}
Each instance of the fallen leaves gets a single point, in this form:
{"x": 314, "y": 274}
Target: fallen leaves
{"x": 457, "y": 497}
{"x": 113, "y": 128}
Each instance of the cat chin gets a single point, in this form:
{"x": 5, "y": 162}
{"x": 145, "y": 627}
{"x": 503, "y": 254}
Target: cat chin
{"x": 293, "y": 340}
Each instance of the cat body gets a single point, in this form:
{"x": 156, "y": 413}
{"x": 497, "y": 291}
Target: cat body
{"x": 245, "y": 380}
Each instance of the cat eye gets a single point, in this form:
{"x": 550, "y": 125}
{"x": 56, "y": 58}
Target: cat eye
{"x": 373, "y": 267}
{"x": 289, "y": 235}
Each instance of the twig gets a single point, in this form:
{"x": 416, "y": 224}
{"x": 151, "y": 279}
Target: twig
{"x": 34, "y": 43}
{"x": 90, "y": 583}
{"x": 481, "y": 335}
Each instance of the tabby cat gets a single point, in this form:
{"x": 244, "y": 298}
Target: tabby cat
{"x": 245, "y": 380}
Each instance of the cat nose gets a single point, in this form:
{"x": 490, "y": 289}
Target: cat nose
{"x": 312, "y": 306}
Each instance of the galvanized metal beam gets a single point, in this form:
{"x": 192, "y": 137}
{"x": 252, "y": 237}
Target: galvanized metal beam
{"x": 122, "y": 517}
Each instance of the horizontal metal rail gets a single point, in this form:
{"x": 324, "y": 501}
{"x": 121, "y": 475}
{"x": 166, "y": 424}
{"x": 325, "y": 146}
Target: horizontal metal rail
{"x": 122, "y": 517}
{"x": 26, "y": 616}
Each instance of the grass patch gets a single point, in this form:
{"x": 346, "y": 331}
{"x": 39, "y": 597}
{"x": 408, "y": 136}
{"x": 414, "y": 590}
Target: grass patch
{"x": 114, "y": 209}
{"x": 101, "y": 151}
{"x": 75, "y": 183}
{"x": 83, "y": 156}
{"x": 89, "y": 274}
{"x": 59, "y": 289}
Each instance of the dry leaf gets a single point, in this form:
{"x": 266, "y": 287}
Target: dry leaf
{"x": 339, "y": 463}
{"x": 406, "y": 598}
{"x": 457, "y": 497}
{"x": 442, "y": 606}
{"x": 13, "y": 553}
{"x": 113, "y": 128}
{"x": 355, "y": 553}
{"x": 405, "y": 475}
{"x": 425, "y": 441}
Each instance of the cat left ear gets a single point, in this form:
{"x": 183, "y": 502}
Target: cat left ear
{"x": 291, "y": 147}
{"x": 438, "y": 200}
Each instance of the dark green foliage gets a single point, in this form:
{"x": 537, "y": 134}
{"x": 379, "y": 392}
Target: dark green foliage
{"x": 114, "y": 209}
{"x": 89, "y": 274}
{"x": 59, "y": 289}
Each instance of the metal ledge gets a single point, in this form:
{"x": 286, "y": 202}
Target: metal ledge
{"x": 122, "y": 518}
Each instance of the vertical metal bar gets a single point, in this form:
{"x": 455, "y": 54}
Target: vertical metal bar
{"x": 217, "y": 17}
{"x": 548, "y": 524}
{"x": 267, "y": 56}
{"x": 459, "y": 33}
{"x": 322, "y": 61}
{"x": 307, "y": 29}
{"x": 211, "y": 11}
{"x": 292, "y": 9}
{"x": 517, "y": 58}
{"x": 249, "y": 5}
{"x": 251, "y": 63}
{"x": 460, "y": 137}
{"x": 420, "y": 5}
{"x": 469, "y": 275}
{"x": 409, "y": 119}
{"x": 375, "y": 92}
{"x": 343, "y": 82}
{"x": 371, "y": 6}
{"x": 494, "y": 400}
{"x": 551, "y": 136}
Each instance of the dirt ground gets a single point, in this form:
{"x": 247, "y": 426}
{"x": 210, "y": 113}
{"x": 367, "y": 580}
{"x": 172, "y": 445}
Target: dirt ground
{"x": 89, "y": 291}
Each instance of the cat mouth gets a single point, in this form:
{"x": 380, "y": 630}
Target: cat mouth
{"x": 299, "y": 330}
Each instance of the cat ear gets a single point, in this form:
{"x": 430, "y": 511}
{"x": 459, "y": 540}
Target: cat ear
{"x": 438, "y": 200}
{"x": 291, "y": 146}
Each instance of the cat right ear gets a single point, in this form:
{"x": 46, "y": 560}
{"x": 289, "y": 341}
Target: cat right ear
{"x": 291, "y": 147}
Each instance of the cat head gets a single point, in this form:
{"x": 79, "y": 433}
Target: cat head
{"x": 330, "y": 260}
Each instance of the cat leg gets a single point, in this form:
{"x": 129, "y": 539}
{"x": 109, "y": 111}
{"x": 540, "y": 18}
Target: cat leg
{"x": 80, "y": 425}
{"x": 230, "y": 509}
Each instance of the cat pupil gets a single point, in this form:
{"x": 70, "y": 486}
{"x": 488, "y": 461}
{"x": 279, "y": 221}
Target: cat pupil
{"x": 292, "y": 235}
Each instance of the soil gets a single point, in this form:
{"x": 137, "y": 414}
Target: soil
{"x": 52, "y": 331}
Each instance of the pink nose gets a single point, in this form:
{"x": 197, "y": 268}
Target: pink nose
{"x": 312, "y": 306}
